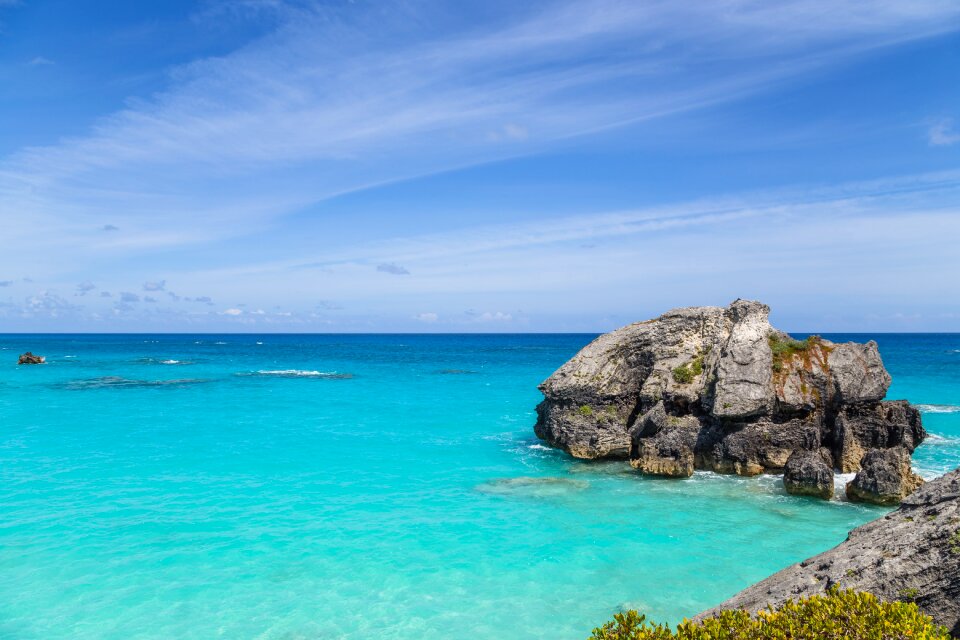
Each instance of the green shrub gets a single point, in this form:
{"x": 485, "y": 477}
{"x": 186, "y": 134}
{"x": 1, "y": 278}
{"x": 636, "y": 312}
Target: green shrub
{"x": 683, "y": 374}
{"x": 834, "y": 615}
{"x": 585, "y": 410}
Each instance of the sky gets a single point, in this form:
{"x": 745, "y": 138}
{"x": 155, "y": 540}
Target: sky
{"x": 427, "y": 166}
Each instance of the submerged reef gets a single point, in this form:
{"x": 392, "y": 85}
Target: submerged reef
{"x": 720, "y": 389}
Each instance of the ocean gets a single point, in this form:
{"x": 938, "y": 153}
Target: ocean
{"x": 368, "y": 486}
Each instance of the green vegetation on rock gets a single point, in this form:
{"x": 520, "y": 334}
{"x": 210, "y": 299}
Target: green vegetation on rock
{"x": 908, "y": 593}
{"x": 784, "y": 348}
{"x": 834, "y": 615}
{"x": 585, "y": 410}
{"x": 685, "y": 373}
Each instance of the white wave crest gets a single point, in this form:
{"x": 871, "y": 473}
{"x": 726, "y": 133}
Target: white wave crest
{"x": 937, "y": 439}
{"x": 938, "y": 408}
{"x": 302, "y": 373}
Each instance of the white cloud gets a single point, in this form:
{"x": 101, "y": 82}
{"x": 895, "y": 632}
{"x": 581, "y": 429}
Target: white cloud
{"x": 393, "y": 269}
{"x": 48, "y": 304}
{"x": 155, "y": 286}
{"x": 497, "y": 316}
{"x": 232, "y": 312}
{"x": 942, "y": 133}
{"x": 427, "y": 317}
{"x": 41, "y": 61}
{"x": 509, "y": 132}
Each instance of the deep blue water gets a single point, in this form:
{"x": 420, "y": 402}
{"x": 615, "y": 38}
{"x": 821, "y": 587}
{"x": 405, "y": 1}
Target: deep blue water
{"x": 367, "y": 486}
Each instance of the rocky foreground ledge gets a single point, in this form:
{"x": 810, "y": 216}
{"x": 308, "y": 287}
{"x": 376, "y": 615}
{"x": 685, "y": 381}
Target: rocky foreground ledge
{"x": 720, "y": 389}
{"x": 912, "y": 554}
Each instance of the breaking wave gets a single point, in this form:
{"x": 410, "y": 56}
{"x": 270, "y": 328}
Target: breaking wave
{"x": 938, "y": 408}
{"x": 300, "y": 373}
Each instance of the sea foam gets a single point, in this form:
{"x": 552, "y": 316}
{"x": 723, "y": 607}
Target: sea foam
{"x": 938, "y": 408}
{"x": 302, "y": 373}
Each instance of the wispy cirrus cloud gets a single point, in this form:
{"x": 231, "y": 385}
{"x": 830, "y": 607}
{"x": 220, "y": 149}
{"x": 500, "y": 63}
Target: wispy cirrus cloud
{"x": 340, "y": 97}
{"x": 942, "y": 133}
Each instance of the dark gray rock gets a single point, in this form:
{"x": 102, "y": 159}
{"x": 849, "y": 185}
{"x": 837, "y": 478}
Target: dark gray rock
{"x": 911, "y": 554}
{"x": 670, "y": 451}
{"x": 29, "y": 358}
{"x": 807, "y": 474}
{"x": 881, "y": 425}
{"x": 748, "y": 396}
{"x": 884, "y": 478}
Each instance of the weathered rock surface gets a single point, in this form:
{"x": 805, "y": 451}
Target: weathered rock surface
{"x": 911, "y": 554}
{"x": 29, "y": 358}
{"x": 885, "y": 477}
{"x": 720, "y": 389}
{"x": 807, "y": 474}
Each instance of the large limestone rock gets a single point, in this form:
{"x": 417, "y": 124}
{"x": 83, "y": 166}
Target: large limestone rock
{"x": 744, "y": 371}
{"x": 911, "y": 554}
{"x": 720, "y": 389}
{"x": 885, "y": 477}
{"x": 807, "y": 474}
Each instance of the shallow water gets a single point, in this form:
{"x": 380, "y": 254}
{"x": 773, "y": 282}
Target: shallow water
{"x": 367, "y": 487}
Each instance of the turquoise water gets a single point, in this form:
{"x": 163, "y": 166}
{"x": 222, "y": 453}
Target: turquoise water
{"x": 366, "y": 487}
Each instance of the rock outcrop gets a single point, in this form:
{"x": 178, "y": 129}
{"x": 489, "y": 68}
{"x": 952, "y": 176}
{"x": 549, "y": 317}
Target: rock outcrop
{"x": 911, "y": 554}
{"x": 885, "y": 477}
{"x": 808, "y": 474}
{"x": 29, "y": 358}
{"x": 720, "y": 389}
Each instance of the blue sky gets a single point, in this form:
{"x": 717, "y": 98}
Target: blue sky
{"x": 262, "y": 165}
